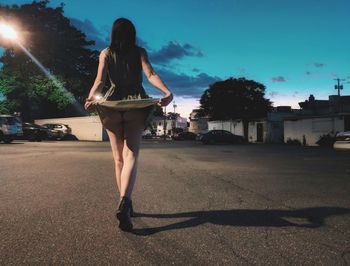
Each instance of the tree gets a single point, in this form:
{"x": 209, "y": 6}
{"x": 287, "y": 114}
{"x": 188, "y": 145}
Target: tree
{"x": 61, "y": 48}
{"x": 158, "y": 111}
{"x": 235, "y": 99}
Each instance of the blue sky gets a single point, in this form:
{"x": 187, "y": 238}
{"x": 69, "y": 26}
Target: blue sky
{"x": 294, "y": 47}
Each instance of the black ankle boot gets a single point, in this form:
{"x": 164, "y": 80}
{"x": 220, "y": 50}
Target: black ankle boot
{"x": 123, "y": 214}
{"x": 132, "y": 214}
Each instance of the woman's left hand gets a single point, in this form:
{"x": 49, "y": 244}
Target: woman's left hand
{"x": 164, "y": 101}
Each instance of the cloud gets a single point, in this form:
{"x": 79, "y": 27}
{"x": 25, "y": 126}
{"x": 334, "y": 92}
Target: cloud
{"x": 274, "y": 94}
{"x": 182, "y": 84}
{"x": 319, "y": 65}
{"x": 185, "y": 85}
{"x": 308, "y": 73}
{"x": 279, "y": 79}
{"x": 174, "y": 50}
{"x": 91, "y": 32}
{"x": 295, "y": 94}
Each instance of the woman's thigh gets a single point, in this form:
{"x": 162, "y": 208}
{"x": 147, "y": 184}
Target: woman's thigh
{"x": 112, "y": 121}
{"x": 134, "y": 123}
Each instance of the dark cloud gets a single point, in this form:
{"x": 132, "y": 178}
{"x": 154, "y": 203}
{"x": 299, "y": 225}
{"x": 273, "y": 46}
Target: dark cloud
{"x": 308, "y": 73}
{"x": 295, "y": 94}
{"x": 186, "y": 85}
{"x": 279, "y": 79}
{"x": 319, "y": 65}
{"x": 91, "y": 32}
{"x": 182, "y": 84}
{"x": 174, "y": 50}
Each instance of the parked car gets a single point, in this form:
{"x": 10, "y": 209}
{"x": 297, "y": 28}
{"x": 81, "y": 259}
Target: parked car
{"x": 33, "y": 132}
{"x": 58, "y": 131}
{"x": 184, "y": 136}
{"x": 9, "y": 128}
{"x": 342, "y": 141}
{"x": 220, "y": 136}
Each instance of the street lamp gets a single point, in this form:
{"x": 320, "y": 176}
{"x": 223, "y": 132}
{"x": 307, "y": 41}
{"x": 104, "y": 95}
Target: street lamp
{"x": 8, "y": 32}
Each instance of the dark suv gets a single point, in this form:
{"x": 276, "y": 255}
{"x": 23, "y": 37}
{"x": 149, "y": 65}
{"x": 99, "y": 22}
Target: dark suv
{"x": 34, "y": 132}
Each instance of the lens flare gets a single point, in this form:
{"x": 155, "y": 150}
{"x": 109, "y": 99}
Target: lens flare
{"x": 8, "y": 32}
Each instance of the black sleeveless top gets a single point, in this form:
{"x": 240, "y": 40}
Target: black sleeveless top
{"x": 125, "y": 74}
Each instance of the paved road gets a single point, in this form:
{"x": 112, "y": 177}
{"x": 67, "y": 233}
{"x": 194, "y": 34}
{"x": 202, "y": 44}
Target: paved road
{"x": 197, "y": 205}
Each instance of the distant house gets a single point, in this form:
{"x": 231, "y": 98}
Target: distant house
{"x": 170, "y": 124}
{"x": 265, "y": 129}
{"x": 317, "y": 118}
{"x": 334, "y": 104}
{"x": 198, "y": 124}
{"x": 309, "y": 129}
{"x": 270, "y": 129}
{"x": 234, "y": 126}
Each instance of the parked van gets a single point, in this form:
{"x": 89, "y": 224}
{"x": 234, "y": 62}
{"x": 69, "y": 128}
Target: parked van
{"x": 9, "y": 128}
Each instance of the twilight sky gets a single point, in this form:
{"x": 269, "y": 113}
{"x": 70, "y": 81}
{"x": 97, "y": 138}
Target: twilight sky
{"x": 294, "y": 47}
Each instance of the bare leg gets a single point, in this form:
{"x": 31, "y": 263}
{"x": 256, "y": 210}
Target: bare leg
{"x": 112, "y": 122}
{"x": 133, "y": 127}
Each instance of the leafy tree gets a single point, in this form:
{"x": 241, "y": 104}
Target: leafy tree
{"x": 158, "y": 111}
{"x": 235, "y": 99}
{"x": 61, "y": 48}
{"x": 172, "y": 115}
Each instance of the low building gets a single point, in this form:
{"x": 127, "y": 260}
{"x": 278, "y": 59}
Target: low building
{"x": 198, "y": 124}
{"x": 271, "y": 128}
{"x": 234, "y": 126}
{"x": 170, "y": 124}
{"x": 309, "y": 129}
{"x": 265, "y": 129}
{"x": 334, "y": 104}
{"x": 83, "y": 128}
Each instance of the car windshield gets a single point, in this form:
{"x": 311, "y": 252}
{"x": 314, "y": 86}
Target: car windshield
{"x": 9, "y": 120}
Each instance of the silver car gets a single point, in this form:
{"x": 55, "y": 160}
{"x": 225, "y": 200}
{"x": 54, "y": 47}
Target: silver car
{"x": 58, "y": 131}
{"x": 342, "y": 141}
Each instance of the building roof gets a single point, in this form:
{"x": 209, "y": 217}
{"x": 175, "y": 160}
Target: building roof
{"x": 301, "y": 117}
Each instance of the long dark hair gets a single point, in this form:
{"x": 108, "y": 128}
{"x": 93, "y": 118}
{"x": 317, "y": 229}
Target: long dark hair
{"x": 123, "y": 44}
{"x": 123, "y": 36}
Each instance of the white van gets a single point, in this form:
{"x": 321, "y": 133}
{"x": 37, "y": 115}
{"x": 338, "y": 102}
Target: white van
{"x": 10, "y": 128}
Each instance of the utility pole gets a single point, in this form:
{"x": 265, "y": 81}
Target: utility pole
{"x": 339, "y": 86}
{"x": 174, "y": 118}
{"x": 164, "y": 124}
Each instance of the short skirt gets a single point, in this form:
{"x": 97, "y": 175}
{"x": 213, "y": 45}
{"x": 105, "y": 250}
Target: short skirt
{"x": 128, "y": 102}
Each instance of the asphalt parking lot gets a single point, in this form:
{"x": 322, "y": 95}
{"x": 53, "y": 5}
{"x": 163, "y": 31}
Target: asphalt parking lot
{"x": 196, "y": 205}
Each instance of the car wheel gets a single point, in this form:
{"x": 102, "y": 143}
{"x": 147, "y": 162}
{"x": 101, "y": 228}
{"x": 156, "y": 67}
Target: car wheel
{"x": 8, "y": 140}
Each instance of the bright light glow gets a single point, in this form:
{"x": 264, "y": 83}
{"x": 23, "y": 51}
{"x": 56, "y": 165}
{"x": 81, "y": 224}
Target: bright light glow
{"x": 8, "y": 32}
{"x": 98, "y": 97}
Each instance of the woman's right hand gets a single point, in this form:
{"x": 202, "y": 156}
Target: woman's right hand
{"x": 164, "y": 101}
{"x": 89, "y": 105}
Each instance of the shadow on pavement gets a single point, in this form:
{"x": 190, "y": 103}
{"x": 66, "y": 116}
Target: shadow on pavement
{"x": 306, "y": 218}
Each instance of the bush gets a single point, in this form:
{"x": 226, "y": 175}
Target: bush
{"x": 294, "y": 142}
{"x": 326, "y": 140}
